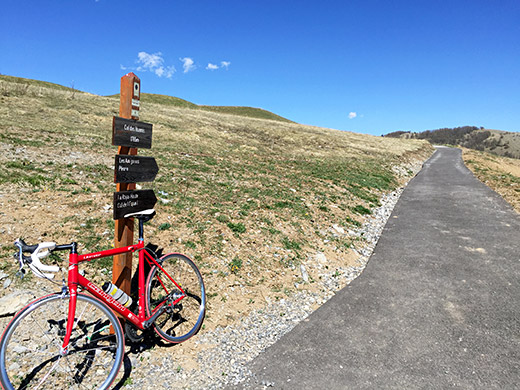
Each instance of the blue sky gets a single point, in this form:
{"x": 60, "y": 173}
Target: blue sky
{"x": 369, "y": 66}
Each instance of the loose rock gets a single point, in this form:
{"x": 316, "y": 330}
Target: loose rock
{"x": 11, "y": 303}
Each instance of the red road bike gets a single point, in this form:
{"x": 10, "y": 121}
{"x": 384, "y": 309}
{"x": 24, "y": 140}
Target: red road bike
{"x": 74, "y": 340}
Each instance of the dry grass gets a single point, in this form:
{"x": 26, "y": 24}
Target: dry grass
{"x": 249, "y": 199}
{"x": 502, "y": 174}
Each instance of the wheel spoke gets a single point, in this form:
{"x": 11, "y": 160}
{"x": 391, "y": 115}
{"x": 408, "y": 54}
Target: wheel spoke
{"x": 48, "y": 373}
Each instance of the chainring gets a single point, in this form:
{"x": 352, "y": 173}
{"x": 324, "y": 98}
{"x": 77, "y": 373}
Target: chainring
{"x": 135, "y": 335}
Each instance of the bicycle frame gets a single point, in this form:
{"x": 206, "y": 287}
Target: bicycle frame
{"x": 75, "y": 280}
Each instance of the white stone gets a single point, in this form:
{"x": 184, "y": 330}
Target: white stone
{"x": 13, "y": 302}
{"x": 305, "y": 275}
{"x": 338, "y": 229}
{"x": 7, "y": 282}
{"x": 20, "y": 349}
{"x": 321, "y": 258}
{"x": 14, "y": 367}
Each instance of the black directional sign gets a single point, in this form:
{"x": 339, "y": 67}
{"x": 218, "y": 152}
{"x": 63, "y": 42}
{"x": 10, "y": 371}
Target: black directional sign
{"x": 134, "y": 134}
{"x": 134, "y": 169}
{"x": 126, "y": 202}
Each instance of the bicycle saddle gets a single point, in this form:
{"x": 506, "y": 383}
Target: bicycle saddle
{"x": 144, "y": 215}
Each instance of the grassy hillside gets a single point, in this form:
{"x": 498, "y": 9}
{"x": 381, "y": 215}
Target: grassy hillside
{"x": 250, "y": 199}
{"x": 249, "y": 112}
{"x": 502, "y": 174}
{"x": 19, "y": 85}
{"x": 500, "y": 143}
{"x": 16, "y": 85}
{"x": 164, "y": 100}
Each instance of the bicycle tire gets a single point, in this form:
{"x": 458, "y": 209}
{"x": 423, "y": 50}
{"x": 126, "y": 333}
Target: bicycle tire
{"x": 183, "y": 319}
{"x": 30, "y": 346}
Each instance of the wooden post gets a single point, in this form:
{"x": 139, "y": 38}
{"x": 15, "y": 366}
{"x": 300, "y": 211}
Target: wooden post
{"x": 124, "y": 228}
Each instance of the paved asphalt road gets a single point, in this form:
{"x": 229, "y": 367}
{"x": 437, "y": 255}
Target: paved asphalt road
{"x": 438, "y": 306}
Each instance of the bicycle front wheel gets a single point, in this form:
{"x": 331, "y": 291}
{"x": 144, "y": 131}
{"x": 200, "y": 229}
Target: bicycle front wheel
{"x": 30, "y": 348}
{"x": 178, "y": 291}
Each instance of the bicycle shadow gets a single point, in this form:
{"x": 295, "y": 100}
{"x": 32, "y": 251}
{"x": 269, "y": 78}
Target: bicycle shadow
{"x": 134, "y": 349}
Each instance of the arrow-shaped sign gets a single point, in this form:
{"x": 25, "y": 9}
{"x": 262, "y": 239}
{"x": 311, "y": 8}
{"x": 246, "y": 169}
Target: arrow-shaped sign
{"x": 134, "y": 134}
{"x": 126, "y": 202}
{"x": 134, "y": 169}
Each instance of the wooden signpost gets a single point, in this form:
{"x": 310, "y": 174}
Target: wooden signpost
{"x": 134, "y": 134}
{"x": 133, "y": 169}
{"x": 126, "y": 202}
{"x": 129, "y": 134}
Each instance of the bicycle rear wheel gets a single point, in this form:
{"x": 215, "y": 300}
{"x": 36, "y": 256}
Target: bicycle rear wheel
{"x": 184, "y": 302}
{"x": 30, "y": 346}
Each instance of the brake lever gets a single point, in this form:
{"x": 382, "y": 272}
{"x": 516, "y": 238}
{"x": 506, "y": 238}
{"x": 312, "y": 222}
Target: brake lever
{"x": 19, "y": 256}
{"x": 21, "y": 273}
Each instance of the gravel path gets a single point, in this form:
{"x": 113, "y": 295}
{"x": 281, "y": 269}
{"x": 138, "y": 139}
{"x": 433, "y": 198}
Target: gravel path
{"x": 223, "y": 360}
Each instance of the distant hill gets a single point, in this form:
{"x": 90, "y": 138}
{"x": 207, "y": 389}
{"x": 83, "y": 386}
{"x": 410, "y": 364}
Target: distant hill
{"x": 250, "y": 112}
{"x": 501, "y": 143}
{"x": 25, "y": 83}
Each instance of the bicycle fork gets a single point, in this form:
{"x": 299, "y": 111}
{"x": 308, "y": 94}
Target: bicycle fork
{"x": 73, "y": 298}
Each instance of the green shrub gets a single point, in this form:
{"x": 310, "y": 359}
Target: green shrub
{"x": 361, "y": 210}
{"x": 164, "y": 226}
{"x": 235, "y": 265}
{"x": 237, "y": 227}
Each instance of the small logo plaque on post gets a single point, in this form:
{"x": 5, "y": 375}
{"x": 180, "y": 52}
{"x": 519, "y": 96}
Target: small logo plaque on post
{"x": 135, "y": 101}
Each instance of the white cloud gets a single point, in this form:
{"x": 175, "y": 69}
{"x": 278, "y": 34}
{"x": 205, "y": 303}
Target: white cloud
{"x": 153, "y": 63}
{"x": 352, "y": 115}
{"x": 166, "y": 72}
{"x": 188, "y": 64}
{"x": 150, "y": 61}
{"x": 159, "y": 71}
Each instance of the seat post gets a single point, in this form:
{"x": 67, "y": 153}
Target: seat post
{"x": 142, "y": 216}
{"x": 141, "y": 229}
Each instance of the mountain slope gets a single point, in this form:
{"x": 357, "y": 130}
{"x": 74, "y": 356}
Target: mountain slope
{"x": 250, "y": 199}
{"x": 249, "y": 112}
